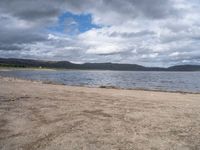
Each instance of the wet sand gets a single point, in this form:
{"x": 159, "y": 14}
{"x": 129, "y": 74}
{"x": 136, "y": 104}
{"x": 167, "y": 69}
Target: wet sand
{"x": 38, "y": 116}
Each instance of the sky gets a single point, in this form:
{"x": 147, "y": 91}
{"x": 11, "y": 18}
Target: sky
{"x": 146, "y": 32}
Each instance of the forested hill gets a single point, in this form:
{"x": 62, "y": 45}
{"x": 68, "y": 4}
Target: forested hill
{"x": 28, "y": 63}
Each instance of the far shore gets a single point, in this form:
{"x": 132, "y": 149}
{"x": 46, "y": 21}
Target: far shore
{"x": 55, "y": 69}
{"x": 40, "y": 116}
{"x": 20, "y": 68}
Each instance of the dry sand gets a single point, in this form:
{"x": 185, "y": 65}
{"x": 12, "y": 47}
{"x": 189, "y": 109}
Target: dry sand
{"x": 41, "y": 116}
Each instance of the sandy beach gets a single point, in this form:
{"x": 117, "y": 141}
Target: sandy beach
{"x": 38, "y": 116}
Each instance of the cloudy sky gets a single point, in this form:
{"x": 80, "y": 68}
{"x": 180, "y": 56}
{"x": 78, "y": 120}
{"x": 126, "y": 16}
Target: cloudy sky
{"x": 146, "y": 32}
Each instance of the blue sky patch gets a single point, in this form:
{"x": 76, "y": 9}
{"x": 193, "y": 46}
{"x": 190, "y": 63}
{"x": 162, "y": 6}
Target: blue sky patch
{"x": 73, "y": 24}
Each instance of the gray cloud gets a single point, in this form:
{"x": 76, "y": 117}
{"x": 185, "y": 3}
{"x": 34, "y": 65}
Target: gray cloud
{"x": 34, "y": 10}
{"x": 20, "y": 37}
{"x": 131, "y": 34}
{"x": 5, "y": 47}
{"x": 156, "y": 9}
{"x": 30, "y": 10}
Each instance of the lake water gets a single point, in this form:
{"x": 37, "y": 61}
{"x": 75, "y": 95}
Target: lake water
{"x": 165, "y": 81}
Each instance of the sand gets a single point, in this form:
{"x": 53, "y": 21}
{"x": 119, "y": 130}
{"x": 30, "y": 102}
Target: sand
{"x": 38, "y": 116}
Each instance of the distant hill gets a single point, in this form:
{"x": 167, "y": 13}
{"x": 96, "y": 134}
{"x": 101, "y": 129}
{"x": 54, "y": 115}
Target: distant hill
{"x": 185, "y": 68}
{"x": 28, "y": 63}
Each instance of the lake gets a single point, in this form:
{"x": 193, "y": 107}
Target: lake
{"x": 164, "y": 81}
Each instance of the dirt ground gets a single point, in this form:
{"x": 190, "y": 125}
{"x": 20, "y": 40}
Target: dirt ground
{"x": 37, "y": 116}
